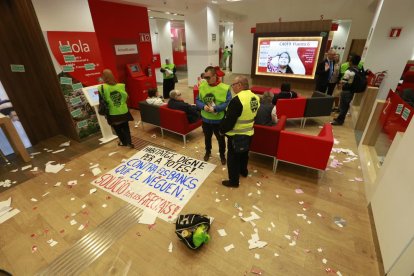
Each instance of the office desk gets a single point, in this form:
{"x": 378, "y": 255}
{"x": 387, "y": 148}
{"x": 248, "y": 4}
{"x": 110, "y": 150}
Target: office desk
{"x": 13, "y": 137}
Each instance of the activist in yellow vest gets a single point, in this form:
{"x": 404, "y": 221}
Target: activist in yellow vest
{"x": 212, "y": 96}
{"x": 244, "y": 124}
{"x": 116, "y": 97}
{"x": 170, "y": 67}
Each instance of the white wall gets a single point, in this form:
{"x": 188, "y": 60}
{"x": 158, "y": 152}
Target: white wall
{"x": 392, "y": 203}
{"x": 63, "y": 15}
{"x": 392, "y": 54}
{"x": 359, "y": 12}
{"x": 340, "y": 38}
{"x": 228, "y": 35}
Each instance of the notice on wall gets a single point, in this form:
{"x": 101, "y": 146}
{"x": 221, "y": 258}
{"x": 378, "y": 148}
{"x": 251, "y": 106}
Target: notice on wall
{"x": 156, "y": 179}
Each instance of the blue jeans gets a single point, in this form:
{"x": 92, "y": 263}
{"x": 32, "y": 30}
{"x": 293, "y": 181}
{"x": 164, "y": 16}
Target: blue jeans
{"x": 346, "y": 98}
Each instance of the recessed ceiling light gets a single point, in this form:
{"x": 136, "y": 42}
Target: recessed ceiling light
{"x": 149, "y": 10}
{"x": 167, "y": 12}
{"x": 214, "y": 2}
{"x": 151, "y": 16}
{"x": 233, "y": 0}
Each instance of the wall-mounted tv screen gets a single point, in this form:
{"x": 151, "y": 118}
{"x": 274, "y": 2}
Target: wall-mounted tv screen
{"x": 295, "y": 57}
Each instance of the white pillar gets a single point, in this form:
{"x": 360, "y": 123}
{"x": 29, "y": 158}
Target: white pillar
{"x": 201, "y": 24}
{"x": 386, "y": 53}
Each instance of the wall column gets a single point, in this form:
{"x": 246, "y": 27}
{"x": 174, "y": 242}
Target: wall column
{"x": 201, "y": 24}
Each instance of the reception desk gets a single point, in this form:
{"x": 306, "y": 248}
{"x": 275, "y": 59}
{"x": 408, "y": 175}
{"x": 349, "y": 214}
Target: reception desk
{"x": 13, "y": 137}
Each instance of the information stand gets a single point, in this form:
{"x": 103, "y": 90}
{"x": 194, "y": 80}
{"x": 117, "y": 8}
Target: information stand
{"x": 92, "y": 95}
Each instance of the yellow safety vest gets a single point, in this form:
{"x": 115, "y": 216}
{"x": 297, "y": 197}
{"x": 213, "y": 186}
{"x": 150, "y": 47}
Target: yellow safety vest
{"x": 244, "y": 124}
{"x": 169, "y": 67}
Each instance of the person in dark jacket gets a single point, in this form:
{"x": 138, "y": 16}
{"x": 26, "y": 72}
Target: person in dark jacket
{"x": 177, "y": 102}
{"x": 264, "y": 114}
{"x": 285, "y": 93}
{"x": 324, "y": 71}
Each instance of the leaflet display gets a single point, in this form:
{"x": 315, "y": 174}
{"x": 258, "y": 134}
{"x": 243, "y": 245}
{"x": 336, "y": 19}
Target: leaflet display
{"x": 295, "y": 57}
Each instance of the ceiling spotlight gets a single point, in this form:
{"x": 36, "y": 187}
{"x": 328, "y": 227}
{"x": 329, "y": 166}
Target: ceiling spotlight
{"x": 167, "y": 13}
{"x": 214, "y": 2}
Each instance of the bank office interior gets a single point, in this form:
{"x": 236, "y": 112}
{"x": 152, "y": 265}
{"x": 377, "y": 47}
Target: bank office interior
{"x": 388, "y": 186}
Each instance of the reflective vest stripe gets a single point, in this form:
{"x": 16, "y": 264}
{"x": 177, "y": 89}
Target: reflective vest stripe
{"x": 245, "y": 121}
{"x": 243, "y": 130}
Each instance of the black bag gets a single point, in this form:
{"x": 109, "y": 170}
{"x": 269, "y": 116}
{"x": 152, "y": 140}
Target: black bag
{"x": 241, "y": 143}
{"x": 175, "y": 78}
{"x": 103, "y": 105}
{"x": 187, "y": 224}
{"x": 360, "y": 83}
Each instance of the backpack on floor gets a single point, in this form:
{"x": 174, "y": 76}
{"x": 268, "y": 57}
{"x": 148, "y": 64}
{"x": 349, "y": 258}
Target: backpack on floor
{"x": 186, "y": 226}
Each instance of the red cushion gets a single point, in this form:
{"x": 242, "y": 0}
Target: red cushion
{"x": 176, "y": 120}
{"x": 291, "y": 108}
{"x": 259, "y": 89}
{"x": 306, "y": 150}
{"x": 266, "y": 138}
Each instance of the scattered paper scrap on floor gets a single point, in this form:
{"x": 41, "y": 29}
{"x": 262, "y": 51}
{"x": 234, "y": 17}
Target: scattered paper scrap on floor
{"x": 222, "y": 232}
{"x": 57, "y": 151}
{"x": 229, "y": 247}
{"x": 253, "y": 216}
{"x": 6, "y": 211}
{"x": 96, "y": 171}
{"x": 170, "y": 247}
{"x": 51, "y": 168}
{"x": 66, "y": 144}
{"x": 26, "y": 167}
{"x": 148, "y": 217}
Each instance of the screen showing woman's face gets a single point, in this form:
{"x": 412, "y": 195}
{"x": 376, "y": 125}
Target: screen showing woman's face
{"x": 284, "y": 60}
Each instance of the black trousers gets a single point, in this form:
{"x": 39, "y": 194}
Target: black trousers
{"x": 167, "y": 86}
{"x": 346, "y": 98}
{"x": 208, "y": 130}
{"x": 236, "y": 162}
{"x": 123, "y": 133}
{"x": 331, "y": 88}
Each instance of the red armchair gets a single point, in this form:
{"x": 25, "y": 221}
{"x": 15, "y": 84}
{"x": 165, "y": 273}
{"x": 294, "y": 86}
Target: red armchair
{"x": 266, "y": 139}
{"x": 176, "y": 121}
{"x": 306, "y": 150}
{"x": 291, "y": 108}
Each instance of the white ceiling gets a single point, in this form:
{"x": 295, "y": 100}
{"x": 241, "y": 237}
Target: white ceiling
{"x": 183, "y": 7}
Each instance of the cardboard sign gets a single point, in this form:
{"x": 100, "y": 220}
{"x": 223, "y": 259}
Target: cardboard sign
{"x": 156, "y": 179}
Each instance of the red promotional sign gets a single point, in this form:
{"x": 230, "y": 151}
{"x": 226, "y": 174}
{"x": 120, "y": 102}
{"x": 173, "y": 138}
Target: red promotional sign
{"x": 78, "y": 55}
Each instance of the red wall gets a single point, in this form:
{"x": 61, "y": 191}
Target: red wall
{"x": 121, "y": 24}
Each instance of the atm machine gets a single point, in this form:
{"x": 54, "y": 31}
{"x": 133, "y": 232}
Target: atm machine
{"x": 138, "y": 84}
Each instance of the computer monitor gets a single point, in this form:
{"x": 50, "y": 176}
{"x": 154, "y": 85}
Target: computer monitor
{"x": 135, "y": 70}
{"x": 92, "y": 94}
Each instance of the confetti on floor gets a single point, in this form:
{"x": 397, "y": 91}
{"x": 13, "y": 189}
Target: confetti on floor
{"x": 53, "y": 168}
{"x": 52, "y": 242}
{"x": 257, "y": 256}
{"x": 299, "y": 191}
{"x": 26, "y": 167}
{"x": 66, "y": 144}
{"x": 93, "y": 190}
{"x": 170, "y": 247}
{"x": 104, "y": 205}
{"x": 222, "y": 232}
{"x": 57, "y": 151}
{"x": 229, "y": 247}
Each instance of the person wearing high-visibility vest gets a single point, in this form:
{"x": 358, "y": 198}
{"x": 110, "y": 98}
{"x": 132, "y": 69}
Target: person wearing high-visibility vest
{"x": 118, "y": 116}
{"x": 213, "y": 100}
{"x": 237, "y": 125}
{"x": 168, "y": 72}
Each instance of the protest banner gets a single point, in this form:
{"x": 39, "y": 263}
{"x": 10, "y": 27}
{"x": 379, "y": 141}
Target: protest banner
{"x": 156, "y": 179}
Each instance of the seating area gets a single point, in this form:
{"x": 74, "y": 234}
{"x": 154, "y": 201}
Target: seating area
{"x": 167, "y": 119}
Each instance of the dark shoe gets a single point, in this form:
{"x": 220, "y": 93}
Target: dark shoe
{"x": 130, "y": 146}
{"x": 335, "y": 109}
{"x": 228, "y": 184}
{"x": 223, "y": 160}
{"x": 120, "y": 144}
{"x": 207, "y": 156}
{"x": 336, "y": 123}
{"x": 244, "y": 174}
